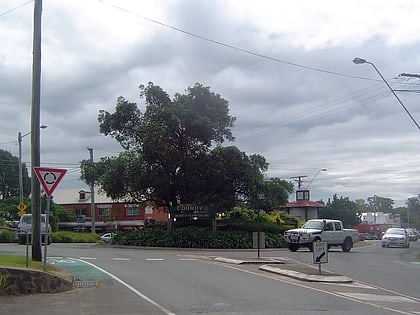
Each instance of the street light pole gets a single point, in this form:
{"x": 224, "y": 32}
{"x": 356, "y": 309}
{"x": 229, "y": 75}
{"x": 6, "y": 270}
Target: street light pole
{"x": 359, "y": 61}
{"x": 20, "y": 136}
{"x": 20, "y": 167}
{"x": 92, "y": 197}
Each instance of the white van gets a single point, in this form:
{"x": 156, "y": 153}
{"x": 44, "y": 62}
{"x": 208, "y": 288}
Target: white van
{"x": 25, "y": 225}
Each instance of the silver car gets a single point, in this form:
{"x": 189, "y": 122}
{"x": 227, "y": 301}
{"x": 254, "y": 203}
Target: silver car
{"x": 107, "y": 238}
{"x": 396, "y": 237}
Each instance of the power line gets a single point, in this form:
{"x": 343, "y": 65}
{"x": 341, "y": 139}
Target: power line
{"x": 15, "y": 8}
{"x": 246, "y": 51}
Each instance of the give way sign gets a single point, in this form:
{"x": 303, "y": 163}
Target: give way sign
{"x": 49, "y": 178}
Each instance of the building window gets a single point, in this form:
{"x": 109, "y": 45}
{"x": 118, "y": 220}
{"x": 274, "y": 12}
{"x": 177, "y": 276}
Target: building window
{"x": 131, "y": 210}
{"x": 80, "y": 212}
{"x": 103, "y": 212}
{"x": 148, "y": 210}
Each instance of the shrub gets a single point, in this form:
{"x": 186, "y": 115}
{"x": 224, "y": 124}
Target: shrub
{"x": 194, "y": 238}
{"x": 6, "y": 236}
{"x": 72, "y": 237}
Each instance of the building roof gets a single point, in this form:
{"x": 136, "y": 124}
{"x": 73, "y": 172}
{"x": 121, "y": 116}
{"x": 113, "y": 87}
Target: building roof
{"x": 72, "y": 196}
{"x": 304, "y": 204}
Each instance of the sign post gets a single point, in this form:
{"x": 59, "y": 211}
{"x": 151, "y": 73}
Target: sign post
{"x": 49, "y": 179}
{"x": 320, "y": 253}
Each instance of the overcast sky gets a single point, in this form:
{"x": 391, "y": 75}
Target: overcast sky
{"x": 285, "y": 67}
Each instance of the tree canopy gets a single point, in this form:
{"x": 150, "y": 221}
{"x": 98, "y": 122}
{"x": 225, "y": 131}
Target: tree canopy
{"x": 341, "y": 209}
{"x": 9, "y": 176}
{"x": 173, "y": 152}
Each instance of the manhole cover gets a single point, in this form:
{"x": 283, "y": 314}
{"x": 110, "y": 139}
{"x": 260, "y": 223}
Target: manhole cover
{"x": 84, "y": 284}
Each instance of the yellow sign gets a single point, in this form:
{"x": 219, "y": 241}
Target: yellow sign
{"x": 21, "y": 207}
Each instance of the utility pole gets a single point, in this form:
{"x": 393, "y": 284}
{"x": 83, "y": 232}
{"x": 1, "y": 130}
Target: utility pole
{"x": 35, "y": 133}
{"x": 299, "y": 180}
{"x": 92, "y": 196}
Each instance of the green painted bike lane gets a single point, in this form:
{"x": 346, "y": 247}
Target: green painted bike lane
{"x": 79, "y": 269}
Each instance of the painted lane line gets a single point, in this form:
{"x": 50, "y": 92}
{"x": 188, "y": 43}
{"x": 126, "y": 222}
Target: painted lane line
{"x": 132, "y": 289}
{"x": 154, "y": 259}
{"x": 378, "y": 298}
{"x": 88, "y": 258}
{"x": 121, "y": 258}
{"x": 187, "y": 259}
{"x": 332, "y": 293}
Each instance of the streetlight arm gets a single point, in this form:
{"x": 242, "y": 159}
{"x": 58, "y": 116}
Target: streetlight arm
{"x": 321, "y": 170}
{"x": 395, "y": 94}
{"x": 362, "y": 61}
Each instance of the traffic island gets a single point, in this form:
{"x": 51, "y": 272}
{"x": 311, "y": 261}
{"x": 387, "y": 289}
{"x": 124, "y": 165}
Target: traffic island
{"x": 305, "y": 273}
{"x": 239, "y": 261}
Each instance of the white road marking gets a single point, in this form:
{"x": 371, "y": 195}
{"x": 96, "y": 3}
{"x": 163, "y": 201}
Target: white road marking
{"x": 132, "y": 289}
{"x": 356, "y": 284}
{"x": 154, "y": 259}
{"x": 187, "y": 259}
{"x": 121, "y": 258}
{"x": 336, "y": 294}
{"x": 378, "y": 298}
{"x": 88, "y": 258}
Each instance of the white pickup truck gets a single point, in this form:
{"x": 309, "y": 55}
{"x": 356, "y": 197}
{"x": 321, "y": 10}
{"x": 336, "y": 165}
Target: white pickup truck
{"x": 325, "y": 230}
{"x": 25, "y": 227}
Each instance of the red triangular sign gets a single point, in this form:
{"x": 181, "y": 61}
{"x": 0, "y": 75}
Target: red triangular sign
{"x": 49, "y": 178}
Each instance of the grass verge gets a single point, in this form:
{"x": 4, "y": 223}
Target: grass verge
{"x": 20, "y": 262}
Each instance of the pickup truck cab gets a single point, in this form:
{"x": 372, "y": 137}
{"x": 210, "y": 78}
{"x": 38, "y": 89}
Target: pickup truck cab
{"x": 326, "y": 230}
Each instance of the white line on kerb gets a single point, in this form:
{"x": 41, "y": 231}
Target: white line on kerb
{"x": 134, "y": 290}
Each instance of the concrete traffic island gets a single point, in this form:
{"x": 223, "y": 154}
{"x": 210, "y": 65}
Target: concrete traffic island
{"x": 290, "y": 268}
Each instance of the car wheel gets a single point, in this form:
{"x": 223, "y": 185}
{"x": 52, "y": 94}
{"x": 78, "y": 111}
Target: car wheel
{"x": 347, "y": 245}
{"x": 293, "y": 247}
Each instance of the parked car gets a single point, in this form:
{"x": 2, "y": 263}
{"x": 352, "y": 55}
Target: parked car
{"x": 107, "y": 237}
{"x": 367, "y": 236}
{"x": 396, "y": 237}
{"x": 413, "y": 234}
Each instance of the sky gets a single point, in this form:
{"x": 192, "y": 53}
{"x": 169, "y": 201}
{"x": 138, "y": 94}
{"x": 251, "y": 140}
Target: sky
{"x": 285, "y": 67}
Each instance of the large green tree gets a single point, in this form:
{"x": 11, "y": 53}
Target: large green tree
{"x": 173, "y": 151}
{"x": 9, "y": 176}
{"x": 410, "y": 216}
{"x": 380, "y": 204}
{"x": 341, "y": 209}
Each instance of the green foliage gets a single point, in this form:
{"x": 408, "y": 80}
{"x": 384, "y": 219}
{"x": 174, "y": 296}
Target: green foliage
{"x": 72, "y": 237}
{"x": 412, "y": 212}
{"x": 9, "y": 176}
{"x": 379, "y": 204}
{"x": 173, "y": 152}
{"x": 6, "y": 236}
{"x": 341, "y": 209}
{"x": 8, "y": 208}
{"x": 193, "y": 238}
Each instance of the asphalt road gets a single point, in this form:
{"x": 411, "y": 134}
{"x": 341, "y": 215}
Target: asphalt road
{"x": 191, "y": 282}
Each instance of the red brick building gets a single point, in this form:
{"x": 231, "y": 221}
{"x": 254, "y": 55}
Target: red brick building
{"x": 109, "y": 214}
